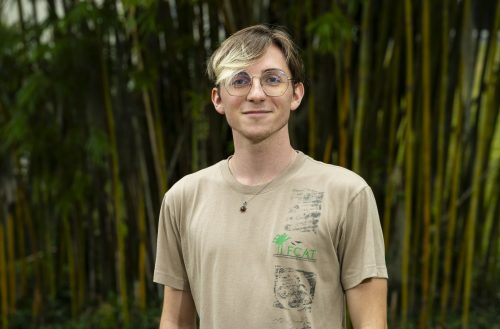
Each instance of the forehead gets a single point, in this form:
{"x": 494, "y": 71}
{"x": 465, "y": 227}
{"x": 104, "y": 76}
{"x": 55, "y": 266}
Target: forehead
{"x": 272, "y": 58}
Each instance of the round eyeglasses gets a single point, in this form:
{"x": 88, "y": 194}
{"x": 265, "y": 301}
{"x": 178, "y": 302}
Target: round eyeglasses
{"x": 274, "y": 83}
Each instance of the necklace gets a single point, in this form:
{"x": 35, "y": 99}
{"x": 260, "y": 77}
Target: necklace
{"x": 243, "y": 207}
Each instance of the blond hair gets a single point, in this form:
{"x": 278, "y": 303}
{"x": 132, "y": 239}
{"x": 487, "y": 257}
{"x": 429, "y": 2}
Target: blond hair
{"x": 249, "y": 44}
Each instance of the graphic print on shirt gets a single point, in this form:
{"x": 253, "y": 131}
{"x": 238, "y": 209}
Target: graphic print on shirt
{"x": 305, "y": 212}
{"x": 294, "y": 289}
{"x": 301, "y": 323}
{"x": 294, "y": 249}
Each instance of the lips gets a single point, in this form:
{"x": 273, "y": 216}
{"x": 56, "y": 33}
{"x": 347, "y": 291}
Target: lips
{"x": 256, "y": 112}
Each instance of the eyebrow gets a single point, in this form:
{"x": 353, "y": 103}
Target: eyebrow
{"x": 264, "y": 71}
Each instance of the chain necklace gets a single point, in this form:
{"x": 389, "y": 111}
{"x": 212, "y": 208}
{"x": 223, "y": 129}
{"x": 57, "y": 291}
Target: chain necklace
{"x": 243, "y": 207}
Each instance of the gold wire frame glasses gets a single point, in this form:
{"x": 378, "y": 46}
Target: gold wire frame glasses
{"x": 274, "y": 83}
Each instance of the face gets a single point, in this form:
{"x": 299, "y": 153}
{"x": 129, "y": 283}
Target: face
{"x": 256, "y": 117}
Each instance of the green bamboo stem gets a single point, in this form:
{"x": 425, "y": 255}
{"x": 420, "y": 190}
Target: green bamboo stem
{"x": 81, "y": 273}
{"x": 11, "y": 262}
{"x": 68, "y": 244}
{"x": 160, "y": 137}
{"x": 485, "y": 116}
{"x": 141, "y": 224}
{"x": 154, "y": 126}
{"x": 144, "y": 179}
{"x": 327, "y": 153}
{"x": 459, "y": 270}
{"x": 343, "y": 113}
{"x": 36, "y": 306}
{"x": 311, "y": 104}
{"x": 117, "y": 190}
{"x": 4, "y": 296}
{"x": 47, "y": 236}
{"x": 364, "y": 69}
{"x": 426, "y": 162}
{"x": 409, "y": 141}
{"x": 491, "y": 190}
{"x": 455, "y": 156}
{"x": 437, "y": 207}
{"x": 391, "y": 168}
{"x": 21, "y": 244}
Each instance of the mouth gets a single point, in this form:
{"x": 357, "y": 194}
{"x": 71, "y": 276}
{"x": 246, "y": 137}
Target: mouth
{"x": 256, "y": 112}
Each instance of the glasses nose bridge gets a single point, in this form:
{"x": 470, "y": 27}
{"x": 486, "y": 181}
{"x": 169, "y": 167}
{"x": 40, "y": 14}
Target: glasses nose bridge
{"x": 259, "y": 78}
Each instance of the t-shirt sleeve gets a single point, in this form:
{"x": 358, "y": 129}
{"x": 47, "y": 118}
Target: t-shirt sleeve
{"x": 361, "y": 247}
{"x": 169, "y": 266}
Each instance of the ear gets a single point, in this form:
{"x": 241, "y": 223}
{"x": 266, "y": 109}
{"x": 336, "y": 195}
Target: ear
{"x": 217, "y": 101}
{"x": 298, "y": 94}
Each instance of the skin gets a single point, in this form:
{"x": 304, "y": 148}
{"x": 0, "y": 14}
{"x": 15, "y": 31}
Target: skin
{"x": 259, "y": 123}
{"x": 179, "y": 311}
{"x": 367, "y": 303}
{"x": 259, "y": 126}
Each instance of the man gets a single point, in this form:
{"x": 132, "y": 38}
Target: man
{"x": 268, "y": 238}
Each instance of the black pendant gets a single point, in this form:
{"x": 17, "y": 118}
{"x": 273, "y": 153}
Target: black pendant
{"x": 243, "y": 207}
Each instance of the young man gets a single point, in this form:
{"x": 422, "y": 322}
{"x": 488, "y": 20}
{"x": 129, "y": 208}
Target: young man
{"x": 268, "y": 238}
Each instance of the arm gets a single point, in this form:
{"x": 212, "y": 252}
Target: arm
{"x": 367, "y": 304}
{"x": 179, "y": 311}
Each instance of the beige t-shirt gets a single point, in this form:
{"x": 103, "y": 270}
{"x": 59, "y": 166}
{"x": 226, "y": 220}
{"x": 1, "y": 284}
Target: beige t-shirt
{"x": 309, "y": 235}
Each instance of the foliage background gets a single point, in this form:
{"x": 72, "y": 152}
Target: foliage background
{"x": 105, "y": 104}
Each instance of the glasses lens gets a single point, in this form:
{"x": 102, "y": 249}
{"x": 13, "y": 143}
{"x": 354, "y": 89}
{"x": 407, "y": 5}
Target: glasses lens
{"x": 274, "y": 82}
{"x": 239, "y": 84}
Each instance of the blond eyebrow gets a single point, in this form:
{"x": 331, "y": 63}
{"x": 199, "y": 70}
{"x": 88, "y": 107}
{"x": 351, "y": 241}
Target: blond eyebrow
{"x": 263, "y": 71}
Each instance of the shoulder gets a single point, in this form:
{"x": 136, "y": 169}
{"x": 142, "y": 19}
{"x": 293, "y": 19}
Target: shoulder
{"x": 333, "y": 177}
{"x": 191, "y": 183}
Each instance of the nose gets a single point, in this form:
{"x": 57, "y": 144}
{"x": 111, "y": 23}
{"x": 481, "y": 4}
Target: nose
{"x": 256, "y": 92}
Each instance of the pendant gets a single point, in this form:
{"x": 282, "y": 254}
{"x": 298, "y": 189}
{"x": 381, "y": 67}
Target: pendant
{"x": 243, "y": 207}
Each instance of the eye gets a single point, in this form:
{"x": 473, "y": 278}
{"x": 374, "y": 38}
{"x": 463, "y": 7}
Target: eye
{"x": 240, "y": 80}
{"x": 273, "y": 78}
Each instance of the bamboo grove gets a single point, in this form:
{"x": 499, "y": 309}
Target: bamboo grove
{"x": 105, "y": 104}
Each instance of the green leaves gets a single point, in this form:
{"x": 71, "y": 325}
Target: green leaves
{"x": 329, "y": 30}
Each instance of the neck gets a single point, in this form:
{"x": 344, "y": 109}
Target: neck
{"x": 259, "y": 163}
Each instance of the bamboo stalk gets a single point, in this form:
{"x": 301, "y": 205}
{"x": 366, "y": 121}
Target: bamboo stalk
{"x": 416, "y": 238}
{"x": 36, "y": 306}
{"x": 491, "y": 190}
{"x": 21, "y": 243}
{"x": 11, "y": 262}
{"x": 364, "y": 69}
{"x": 311, "y": 108}
{"x": 154, "y": 126}
{"x": 344, "y": 109}
{"x": 485, "y": 116}
{"x": 455, "y": 156}
{"x": 426, "y": 163}
{"x": 408, "y": 164}
{"x": 141, "y": 224}
{"x": 437, "y": 207}
{"x": 117, "y": 190}
{"x": 393, "y": 105}
{"x": 48, "y": 234}
{"x": 81, "y": 273}
{"x": 68, "y": 244}
{"x": 143, "y": 174}
{"x": 391, "y": 184}
{"x": 327, "y": 154}
{"x": 4, "y": 296}
{"x": 488, "y": 236}
{"x": 459, "y": 270}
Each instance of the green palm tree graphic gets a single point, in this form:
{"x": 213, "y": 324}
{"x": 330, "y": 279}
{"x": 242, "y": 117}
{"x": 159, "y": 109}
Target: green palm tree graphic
{"x": 280, "y": 239}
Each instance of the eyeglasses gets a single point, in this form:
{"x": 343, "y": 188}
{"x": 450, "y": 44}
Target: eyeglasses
{"x": 274, "y": 83}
